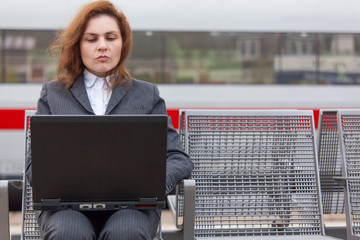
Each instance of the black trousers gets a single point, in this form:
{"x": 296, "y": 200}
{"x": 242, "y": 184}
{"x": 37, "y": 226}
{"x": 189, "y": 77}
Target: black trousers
{"x": 127, "y": 224}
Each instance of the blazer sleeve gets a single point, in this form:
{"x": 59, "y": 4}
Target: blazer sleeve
{"x": 42, "y": 108}
{"x": 179, "y": 165}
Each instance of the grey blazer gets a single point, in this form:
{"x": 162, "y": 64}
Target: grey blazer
{"x": 138, "y": 97}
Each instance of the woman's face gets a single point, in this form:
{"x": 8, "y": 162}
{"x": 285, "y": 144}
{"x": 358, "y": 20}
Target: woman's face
{"x": 101, "y": 44}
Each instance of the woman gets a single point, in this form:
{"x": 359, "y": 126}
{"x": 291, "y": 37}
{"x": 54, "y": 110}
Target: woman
{"x": 92, "y": 79}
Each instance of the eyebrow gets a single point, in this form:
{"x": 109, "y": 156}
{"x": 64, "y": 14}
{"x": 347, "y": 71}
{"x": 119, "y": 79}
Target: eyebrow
{"x": 107, "y": 33}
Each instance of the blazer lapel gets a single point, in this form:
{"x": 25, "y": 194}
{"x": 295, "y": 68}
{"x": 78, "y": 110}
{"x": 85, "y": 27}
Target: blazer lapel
{"x": 79, "y": 92}
{"x": 117, "y": 95}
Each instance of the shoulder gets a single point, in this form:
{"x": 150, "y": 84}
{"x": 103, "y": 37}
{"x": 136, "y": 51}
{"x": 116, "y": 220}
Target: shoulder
{"x": 143, "y": 87}
{"x": 142, "y": 84}
{"x": 57, "y": 85}
{"x": 54, "y": 90}
{"x": 54, "y": 85}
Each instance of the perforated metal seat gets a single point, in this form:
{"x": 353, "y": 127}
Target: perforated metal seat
{"x": 256, "y": 174}
{"x": 349, "y": 128}
{"x": 30, "y": 227}
{"x": 330, "y": 163}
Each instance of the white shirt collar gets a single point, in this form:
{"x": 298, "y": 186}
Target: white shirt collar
{"x": 89, "y": 78}
{"x": 97, "y": 91}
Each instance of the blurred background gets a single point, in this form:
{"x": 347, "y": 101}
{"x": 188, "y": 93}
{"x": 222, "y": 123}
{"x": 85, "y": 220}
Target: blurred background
{"x": 202, "y": 54}
{"x": 201, "y": 42}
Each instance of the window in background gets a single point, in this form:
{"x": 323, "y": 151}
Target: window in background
{"x": 220, "y": 57}
{"x": 257, "y": 57}
{"x": 24, "y": 56}
{"x": 297, "y": 59}
{"x": 2, "y": 62}
{"x": 339, "y": 59}
{"x": 190, "y": 56}
{"x": 203, "y": 57}
{"x": 147, "y": 58}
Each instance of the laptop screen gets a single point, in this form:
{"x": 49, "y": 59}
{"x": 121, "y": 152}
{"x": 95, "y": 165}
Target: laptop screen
{"x": 87, "y": 158}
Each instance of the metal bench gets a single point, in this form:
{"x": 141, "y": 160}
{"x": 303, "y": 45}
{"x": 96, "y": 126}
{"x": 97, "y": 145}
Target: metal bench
{"x": 29, "y": 225}
{"x": 256, "y": 175}
{"x": 330, "y": 162}
{"x": 349, "y": 129}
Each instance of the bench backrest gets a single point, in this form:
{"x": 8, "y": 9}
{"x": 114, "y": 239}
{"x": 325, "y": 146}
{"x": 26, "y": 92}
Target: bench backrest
{"x": 30, "y": 227}
{"x": 349, "y": 128}
{"x": 330, "y": 163}
{"x": 256, "y": 172}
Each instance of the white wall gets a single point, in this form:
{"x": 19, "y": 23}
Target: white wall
{"x": 195, "y": 15}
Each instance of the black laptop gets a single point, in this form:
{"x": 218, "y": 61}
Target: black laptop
{"x": 92, "y": 162}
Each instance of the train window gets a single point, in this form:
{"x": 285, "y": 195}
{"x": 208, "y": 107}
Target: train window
{"x": 220, "y": 57}
{"x": 339, "y": 59}
{"x": 296, "y": 61}
{"x": 24, "y": 57}
{"x": 203, "y": 57}
{"x": 1, "y": 55}
{"x": 146, "y": 61}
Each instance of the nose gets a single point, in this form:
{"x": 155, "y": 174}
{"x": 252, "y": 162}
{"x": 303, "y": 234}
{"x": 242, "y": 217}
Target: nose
{"x": 102, "y": 46}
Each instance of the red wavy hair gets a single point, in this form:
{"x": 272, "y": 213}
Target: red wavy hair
{"x": 67, "y": 44}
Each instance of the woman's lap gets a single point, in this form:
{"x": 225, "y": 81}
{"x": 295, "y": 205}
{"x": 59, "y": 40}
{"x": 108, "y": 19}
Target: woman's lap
{"x": 122, "y": 224}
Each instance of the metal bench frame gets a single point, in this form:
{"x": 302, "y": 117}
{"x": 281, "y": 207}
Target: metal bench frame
{"x": 4, "y": 210}
{"x": 349, "y": 129}
{"x": 215, "y": 139}
{"x": 330, "y": 162}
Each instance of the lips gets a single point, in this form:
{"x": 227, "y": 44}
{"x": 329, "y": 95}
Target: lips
{"x": 102, "y": 58}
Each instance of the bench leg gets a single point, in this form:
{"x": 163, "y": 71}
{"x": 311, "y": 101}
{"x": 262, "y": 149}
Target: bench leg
{"x": 189, "y": 209}
{"x": 4, "y": 210}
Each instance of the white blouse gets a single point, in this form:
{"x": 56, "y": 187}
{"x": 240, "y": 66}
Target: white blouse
{"x": 98, "y": 92}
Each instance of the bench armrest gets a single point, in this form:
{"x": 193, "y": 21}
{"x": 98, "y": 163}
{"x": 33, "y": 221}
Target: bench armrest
{"x": 342, "y": 180}
{"x": 4, "y": 206}
{"x": 183, "y": 205}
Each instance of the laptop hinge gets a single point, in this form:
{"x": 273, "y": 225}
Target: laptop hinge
{"x": 147, "y": 201}
{"x": 51, "y": 203}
